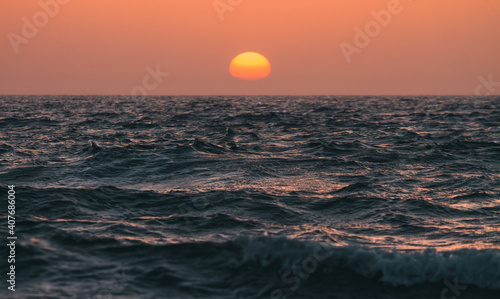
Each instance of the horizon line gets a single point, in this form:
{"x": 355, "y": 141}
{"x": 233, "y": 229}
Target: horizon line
{"x": 261, "y": 95}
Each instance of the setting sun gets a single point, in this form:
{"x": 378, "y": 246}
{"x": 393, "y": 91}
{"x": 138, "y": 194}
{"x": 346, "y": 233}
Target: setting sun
{"x": 252, "y": 149}
{"x": 250, "y": 66}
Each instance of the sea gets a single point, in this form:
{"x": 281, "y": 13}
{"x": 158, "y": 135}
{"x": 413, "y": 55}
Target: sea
{"x": 250, "y": 196}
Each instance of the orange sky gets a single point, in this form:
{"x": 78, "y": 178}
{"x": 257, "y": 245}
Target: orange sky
{"x": 104, "y": 47}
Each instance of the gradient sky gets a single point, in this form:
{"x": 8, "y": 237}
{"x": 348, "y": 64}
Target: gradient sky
{"x": 105, "y": 46}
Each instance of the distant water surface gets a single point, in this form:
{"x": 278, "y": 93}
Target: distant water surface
{"x": 253, "y": 197}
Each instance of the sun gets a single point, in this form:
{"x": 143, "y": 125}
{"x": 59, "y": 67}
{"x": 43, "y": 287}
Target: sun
{"x": 250, "y": 66}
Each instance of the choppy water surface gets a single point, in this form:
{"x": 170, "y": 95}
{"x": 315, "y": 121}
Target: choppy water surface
{"x": 254, "y": 197}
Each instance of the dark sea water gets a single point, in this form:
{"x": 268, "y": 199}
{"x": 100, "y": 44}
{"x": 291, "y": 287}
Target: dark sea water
{"x": 252, "y": 197}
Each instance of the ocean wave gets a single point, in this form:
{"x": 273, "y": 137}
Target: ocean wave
{"x": 260, "y": 266}
{"x": 473, "y": 267}
{"x": 246, "y": 197}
